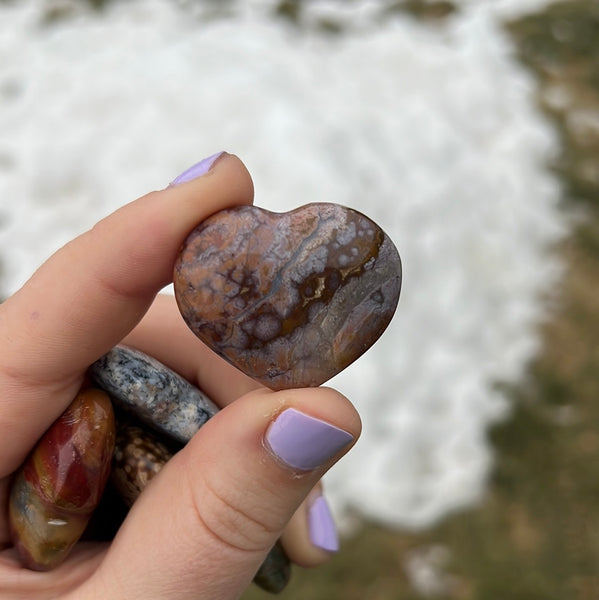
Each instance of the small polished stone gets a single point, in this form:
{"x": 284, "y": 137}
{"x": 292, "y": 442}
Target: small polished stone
{"x": 60, "y": 484}
{"x": 290, "y": 299}
{"x": 275, "y": 572}
{"x": 156, "y": 395}
{"x": 138, "y": 457}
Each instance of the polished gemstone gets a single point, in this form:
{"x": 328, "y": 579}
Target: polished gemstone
{"x": 138, "y": 457}
{"x": 290, "y": 298}
{"x": 156, "y": 395}
{"x": 275, "y": 572}
{"x": 56, "y": 490}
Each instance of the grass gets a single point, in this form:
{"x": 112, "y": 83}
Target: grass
{"x": 561, "y": 47}
{"x": 536, "y": 535}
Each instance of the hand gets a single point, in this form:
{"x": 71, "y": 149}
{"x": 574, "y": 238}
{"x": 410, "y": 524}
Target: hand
{"x": 204, "y": 525}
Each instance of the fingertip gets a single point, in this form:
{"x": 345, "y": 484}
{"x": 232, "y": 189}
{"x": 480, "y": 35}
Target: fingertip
{"x": 235, "y": 166}
{"x": 311, "y": 538}
{"x": 326, "y": 404}
{"x": 227, "y": 167}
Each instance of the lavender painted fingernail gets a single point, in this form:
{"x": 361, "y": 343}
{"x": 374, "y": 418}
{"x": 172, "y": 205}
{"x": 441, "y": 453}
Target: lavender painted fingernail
{"x": 197, "y": 170}
{"x": 304, "y": 442}
{"x": 321, "y": 526}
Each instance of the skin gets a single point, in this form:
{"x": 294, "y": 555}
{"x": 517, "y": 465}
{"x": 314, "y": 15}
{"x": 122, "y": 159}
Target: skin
{"x": 205, "y": 523}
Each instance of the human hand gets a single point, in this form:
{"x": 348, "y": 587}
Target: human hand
{"x": 207, "y": 520}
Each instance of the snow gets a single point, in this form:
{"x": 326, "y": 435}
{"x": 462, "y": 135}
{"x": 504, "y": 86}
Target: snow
{"x": 430, "y": 130}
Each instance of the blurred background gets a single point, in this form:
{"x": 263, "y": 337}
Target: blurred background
{"x": 469, "y": 129}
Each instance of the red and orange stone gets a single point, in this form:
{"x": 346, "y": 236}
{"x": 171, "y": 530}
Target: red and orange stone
{"x": 61, "y": 482}
{"x": 290, "y": 299}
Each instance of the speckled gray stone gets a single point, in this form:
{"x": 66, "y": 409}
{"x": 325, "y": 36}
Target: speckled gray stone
{"x": 152, "y": 392}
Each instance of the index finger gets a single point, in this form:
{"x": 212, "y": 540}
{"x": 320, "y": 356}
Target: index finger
{"x": 90, "y": 294}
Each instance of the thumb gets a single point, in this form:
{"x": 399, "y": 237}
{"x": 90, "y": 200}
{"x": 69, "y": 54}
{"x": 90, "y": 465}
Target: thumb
{"x": 204, "y": 525}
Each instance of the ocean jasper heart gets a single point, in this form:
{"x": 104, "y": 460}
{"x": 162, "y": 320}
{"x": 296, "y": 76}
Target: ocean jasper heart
{"x": 289, "y": 298}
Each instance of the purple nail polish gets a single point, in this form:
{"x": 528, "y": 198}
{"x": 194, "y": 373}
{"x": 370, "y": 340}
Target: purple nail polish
{"x": 304, "y": 442}
{"x": 321, "y": 526}
{"x": 196, "y": 170}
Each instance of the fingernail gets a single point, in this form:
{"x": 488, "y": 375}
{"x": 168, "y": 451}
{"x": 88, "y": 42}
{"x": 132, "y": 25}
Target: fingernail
{"x": 197, "y": 170}
{"x": 321, "y": 526}
{"x": 304, "y": 442}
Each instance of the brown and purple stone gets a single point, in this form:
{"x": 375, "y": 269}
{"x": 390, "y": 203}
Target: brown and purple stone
{"x": 290, "y": 299}
{"x": 60, "y": 484}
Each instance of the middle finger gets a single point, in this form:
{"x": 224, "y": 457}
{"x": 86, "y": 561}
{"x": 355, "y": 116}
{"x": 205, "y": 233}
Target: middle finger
{"x": 163, "y": 334}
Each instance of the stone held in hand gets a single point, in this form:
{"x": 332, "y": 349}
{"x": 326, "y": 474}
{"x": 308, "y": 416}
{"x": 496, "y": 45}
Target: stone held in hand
{"x": 290, "y": 299}
{"x": 138, "y": 457}
{"x": 60, "y": 484}
{"x": 156, "y": 395}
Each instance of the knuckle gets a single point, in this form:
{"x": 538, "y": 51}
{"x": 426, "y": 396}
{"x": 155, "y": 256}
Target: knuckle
{"x": 232, "y": 516}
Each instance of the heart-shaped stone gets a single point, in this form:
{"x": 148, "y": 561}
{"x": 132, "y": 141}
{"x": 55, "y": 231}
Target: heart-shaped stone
{"x": 290, "y": 299}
